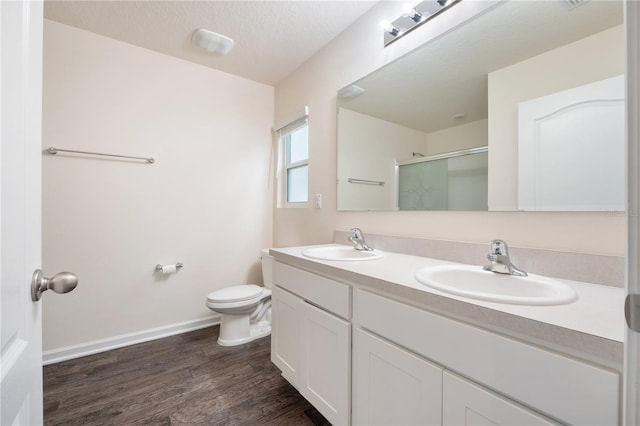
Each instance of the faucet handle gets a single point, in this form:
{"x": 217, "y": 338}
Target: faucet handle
{"x": 357, "y": 233}
{"x": 498, "y": 247}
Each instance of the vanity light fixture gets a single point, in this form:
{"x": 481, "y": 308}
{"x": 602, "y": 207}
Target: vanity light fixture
{"x": 413, "y": 17}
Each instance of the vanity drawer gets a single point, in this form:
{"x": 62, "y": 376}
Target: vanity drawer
{"x": 561, "y": 387}
{"x": 330, "y": 295}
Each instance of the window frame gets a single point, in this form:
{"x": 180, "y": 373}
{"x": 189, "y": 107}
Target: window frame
{"x": 284, "y": 142}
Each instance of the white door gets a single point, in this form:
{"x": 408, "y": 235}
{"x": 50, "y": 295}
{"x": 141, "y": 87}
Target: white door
{"x": 570, "y": 147}
{"x": 20, "y": 137}
{"x": 631, "y": 410}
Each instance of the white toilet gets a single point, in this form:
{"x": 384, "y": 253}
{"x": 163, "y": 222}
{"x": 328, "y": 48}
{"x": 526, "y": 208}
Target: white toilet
{"x": 245, "y": 309}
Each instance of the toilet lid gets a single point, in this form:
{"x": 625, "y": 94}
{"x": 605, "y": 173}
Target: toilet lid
{"x": 236, "y": 293}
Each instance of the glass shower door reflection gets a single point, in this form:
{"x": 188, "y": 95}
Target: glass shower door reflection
{"x": 457, "y": 183}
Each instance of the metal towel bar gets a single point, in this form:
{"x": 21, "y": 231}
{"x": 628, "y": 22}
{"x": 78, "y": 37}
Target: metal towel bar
{"x": 52, "y": 150}
{"x": 366, "y": 181}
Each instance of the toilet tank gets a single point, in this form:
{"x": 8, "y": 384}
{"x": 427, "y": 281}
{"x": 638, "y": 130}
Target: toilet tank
{"x": 267, "y": 268}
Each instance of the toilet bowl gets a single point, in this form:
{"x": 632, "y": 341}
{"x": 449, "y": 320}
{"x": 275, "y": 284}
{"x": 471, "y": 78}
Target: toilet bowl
{"x": 245, "y": 309}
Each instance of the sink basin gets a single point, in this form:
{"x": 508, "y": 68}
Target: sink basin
{"x": 343, "y": 253}
{"x": 476, "y": 283}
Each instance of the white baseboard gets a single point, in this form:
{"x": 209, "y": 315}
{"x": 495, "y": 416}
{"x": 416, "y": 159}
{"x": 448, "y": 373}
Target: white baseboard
{"x": 102, "y": 345}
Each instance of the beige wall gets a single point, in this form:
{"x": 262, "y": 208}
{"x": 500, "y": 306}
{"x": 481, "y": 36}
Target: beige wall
{"x": 369, "y": 149}
{"x": 206, "y": 201}
{"x": 591, "y": 59}
{"x": 355, "y": 53}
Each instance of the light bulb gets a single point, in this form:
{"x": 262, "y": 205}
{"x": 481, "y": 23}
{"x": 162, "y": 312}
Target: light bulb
{"x": 411, "y": 12}
{"x": 386, "y": 25}
{"x": 390, "y": 28}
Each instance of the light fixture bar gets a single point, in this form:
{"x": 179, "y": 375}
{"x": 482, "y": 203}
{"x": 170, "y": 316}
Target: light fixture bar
{"x": 413, "y": 17}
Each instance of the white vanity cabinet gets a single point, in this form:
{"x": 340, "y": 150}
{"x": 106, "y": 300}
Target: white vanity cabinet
{"x": 393, "y": 386}
{"x": 497, "y": 380}
{"x": 466, "y": 403}
{"x": 400, "y": 363}
{"x": 311, "y": 339}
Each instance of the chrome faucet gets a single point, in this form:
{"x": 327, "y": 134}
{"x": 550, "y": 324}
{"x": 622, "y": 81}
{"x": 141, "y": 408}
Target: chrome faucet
{"x": 500, "y": 261}
{"x": 358, "y": 240}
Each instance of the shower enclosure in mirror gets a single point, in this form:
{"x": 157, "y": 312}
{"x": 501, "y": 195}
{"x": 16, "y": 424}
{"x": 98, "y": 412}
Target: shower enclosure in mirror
{"x": 451, "y": 181}
{"x": 481, "y": 85}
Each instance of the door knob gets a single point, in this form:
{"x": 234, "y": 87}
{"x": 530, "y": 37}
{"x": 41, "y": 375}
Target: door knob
{"x": 63, "y": 282}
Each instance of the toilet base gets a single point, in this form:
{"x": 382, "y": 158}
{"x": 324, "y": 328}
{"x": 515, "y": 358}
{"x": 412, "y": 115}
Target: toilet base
{"x": 237, "y": 329}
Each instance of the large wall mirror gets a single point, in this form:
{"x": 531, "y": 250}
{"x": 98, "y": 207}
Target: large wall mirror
{"x": 521, "y": 108}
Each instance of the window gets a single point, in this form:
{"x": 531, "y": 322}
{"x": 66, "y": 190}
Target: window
{"x": 294, "y": 148}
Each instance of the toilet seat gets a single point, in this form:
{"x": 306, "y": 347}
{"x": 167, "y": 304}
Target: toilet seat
{"x": 236, "y": 293}
{"x": 237, "y": 299}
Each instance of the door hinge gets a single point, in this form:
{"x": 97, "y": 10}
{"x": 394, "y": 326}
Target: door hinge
{"x": 632, "y": 311}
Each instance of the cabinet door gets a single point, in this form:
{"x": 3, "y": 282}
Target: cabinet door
{"x": 466, "y": 403}
{"x": 286, "y": 333}
{"x": 393, "y": 386}
{"x": 325, "y": 366}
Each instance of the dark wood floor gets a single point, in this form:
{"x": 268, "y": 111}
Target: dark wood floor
{"x": 180, "y": 380}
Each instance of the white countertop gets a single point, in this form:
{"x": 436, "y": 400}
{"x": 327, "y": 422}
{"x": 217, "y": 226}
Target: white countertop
{"x": 598, "y": 312}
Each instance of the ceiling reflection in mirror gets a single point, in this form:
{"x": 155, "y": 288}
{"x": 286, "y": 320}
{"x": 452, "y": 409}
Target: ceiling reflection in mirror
{"x": 472, "y": 89}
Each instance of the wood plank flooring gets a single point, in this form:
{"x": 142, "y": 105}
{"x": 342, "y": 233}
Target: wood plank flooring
{"x": 186, "y": 379}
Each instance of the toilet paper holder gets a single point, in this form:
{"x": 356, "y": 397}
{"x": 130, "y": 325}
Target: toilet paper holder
{"x": 177, "y": 264}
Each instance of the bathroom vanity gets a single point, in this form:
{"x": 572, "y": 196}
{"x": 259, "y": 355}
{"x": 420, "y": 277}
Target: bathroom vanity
{"x": 367, "y": 344}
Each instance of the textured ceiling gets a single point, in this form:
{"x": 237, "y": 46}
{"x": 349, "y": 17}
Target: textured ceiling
{"x": 272, "y": 38}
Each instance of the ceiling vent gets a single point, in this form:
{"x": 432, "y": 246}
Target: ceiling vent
{"x": 571, "y": 4}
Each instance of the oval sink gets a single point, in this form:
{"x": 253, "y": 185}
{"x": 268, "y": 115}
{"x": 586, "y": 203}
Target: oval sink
{"x": 476, "y": 283}
{"x": 344, "y": 253}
